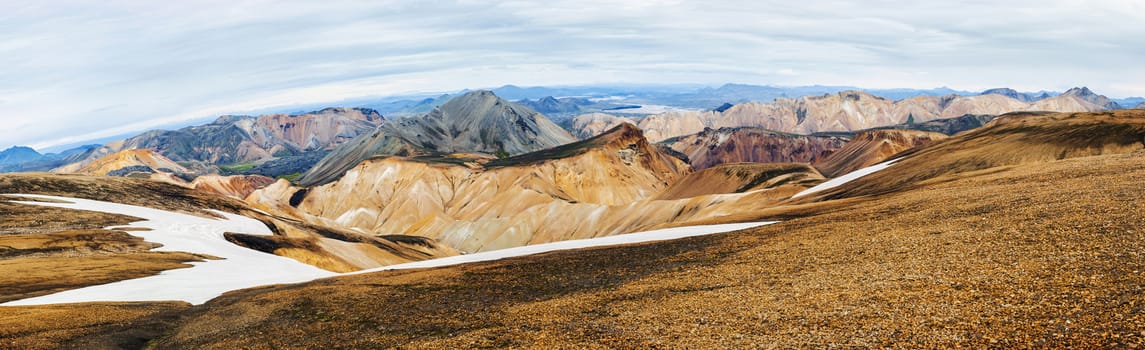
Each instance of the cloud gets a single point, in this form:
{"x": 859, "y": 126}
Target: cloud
{"x": 72, "y": 70}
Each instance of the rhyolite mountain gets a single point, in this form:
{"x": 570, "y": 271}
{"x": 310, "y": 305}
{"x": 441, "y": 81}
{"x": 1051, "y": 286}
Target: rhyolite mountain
{"x": 848, "y": 111}
{"x": 1079, "y": 99}
{"x": 949, "y": 126}
{"x": 577, "y": 190}
{"x": 712, "y": 147}
{"x": 872, "y": 147}
{"x": 126, "y": 162}
{"x": 1020, "y": 96}
{"x": 248, "y": 139}
{"x": 476, "y": 122}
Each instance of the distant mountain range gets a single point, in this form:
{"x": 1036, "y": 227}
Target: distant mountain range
{"x": 247, "y": 141}
{"x": 847, "y": 111}
{"x": 484, "y": 124}
{"x": 26, "y": 159}
{"x": 555, "y": 101}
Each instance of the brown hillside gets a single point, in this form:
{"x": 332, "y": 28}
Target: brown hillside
{"x": 126, "y": 159}
{"x": 740, "y": 177}
{"x": 873, "y": 147}
{"x": 1009, "y": 140}
{"x": 752, "y": 145}
{"x": 235, "y": 186}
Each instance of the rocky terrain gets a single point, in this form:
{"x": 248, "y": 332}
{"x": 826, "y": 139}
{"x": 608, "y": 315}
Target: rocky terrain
{"x": 849, "y": 111}
{"x": 752, "y": 145}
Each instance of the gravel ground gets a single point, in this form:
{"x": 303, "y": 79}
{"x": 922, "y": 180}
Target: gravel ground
{"x": 1042, "y": 255}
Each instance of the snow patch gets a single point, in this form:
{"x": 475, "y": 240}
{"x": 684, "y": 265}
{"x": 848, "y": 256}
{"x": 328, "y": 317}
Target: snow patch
{"x": 639, "y": 237}
{"x": 239, "y": 268}
{"x": 839, "y": 181}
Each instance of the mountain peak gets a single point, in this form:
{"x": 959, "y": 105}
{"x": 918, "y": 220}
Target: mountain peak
{"x": 477, "y": 121}
{"x": 18, "y": 149}
{"x": 1085, "y": 94}
{"x": 18, "y": 154}
{"x": 1080, "y": 92}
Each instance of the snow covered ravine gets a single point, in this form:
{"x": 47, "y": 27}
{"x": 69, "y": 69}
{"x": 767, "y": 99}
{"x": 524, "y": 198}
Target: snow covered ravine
{"x": 240, "y": 267}
{"x": 245, "y": 268}
{"x": 851, "y": 176}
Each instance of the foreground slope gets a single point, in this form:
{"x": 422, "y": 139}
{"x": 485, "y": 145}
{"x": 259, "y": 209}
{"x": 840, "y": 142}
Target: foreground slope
{"x": 1045, "y": 255}
{"x": 1009, "y": 140}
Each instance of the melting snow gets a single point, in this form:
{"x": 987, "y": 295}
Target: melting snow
{"x": 639, "y": 237}
{"x": 245, "y": 268}
{"x": 839, "y": 181}
{"x": 240, "y": 267}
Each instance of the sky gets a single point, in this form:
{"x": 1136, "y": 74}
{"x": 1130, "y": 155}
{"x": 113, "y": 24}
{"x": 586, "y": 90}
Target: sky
{"x": 78, "y": 70}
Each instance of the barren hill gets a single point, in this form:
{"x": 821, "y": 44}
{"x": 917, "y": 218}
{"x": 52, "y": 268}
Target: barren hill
{"x": 235, "y": 186}
{"x": 505, "y": 203}
{"x": 740, "y": 178}
{"x": 872, "y": 147}
{"x": 125, "y": 162}
{"x": 752, "y": 145}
